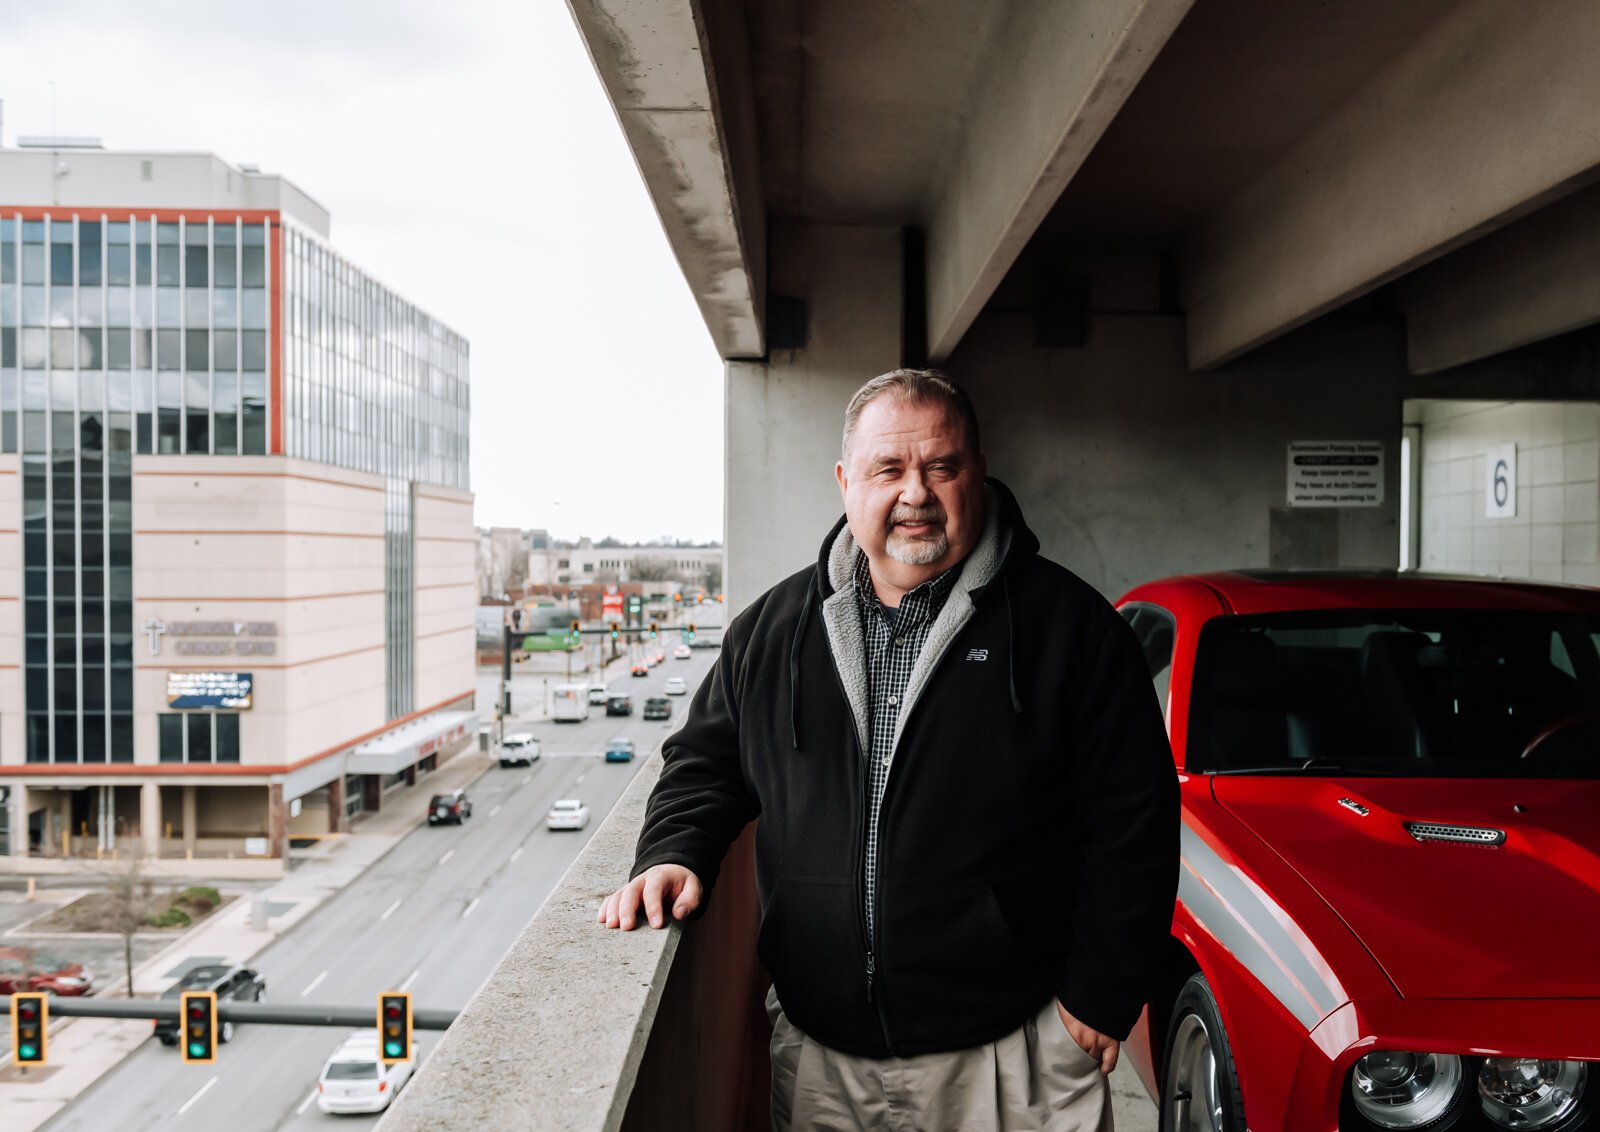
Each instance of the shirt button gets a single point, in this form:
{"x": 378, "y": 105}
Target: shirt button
{"x": 894, "y": 701}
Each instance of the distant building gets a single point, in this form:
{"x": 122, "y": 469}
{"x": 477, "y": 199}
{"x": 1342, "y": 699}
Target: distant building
{"x": 585, "y": 564}
{"x": 236, "y": 584}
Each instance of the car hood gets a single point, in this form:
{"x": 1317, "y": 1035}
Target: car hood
{"x": 1445, "y": 920}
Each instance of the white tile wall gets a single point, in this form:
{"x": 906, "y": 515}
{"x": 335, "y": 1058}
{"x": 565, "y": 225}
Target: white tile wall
{"x": 1555, "y": 534}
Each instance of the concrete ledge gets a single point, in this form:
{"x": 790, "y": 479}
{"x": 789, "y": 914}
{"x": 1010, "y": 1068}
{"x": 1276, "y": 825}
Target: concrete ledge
{"x": 555, "y": 1036}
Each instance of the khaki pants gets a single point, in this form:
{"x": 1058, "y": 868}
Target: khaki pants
{"x": 1035, "y": 1078}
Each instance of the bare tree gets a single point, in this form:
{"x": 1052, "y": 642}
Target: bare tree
{"x": 131, "y": 901}
{"x": 653, "y": 570}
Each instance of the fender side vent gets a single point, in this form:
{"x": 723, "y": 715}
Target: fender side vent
{"x": 1459, "y": 834}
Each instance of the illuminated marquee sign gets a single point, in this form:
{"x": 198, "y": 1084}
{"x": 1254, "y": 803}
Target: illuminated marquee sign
{"x": 209, "y": 690}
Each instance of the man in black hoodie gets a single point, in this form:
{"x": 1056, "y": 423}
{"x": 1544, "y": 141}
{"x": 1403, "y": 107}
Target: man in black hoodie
{"x": 967, "y": 851}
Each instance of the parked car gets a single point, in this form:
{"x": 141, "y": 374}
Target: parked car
{"x": 355, "y": 1078}
{"x": 521, "y": 749}
{"x": 451, "y": 806}
{"x": 681, "y": 652}
{"x": 598, "y": 693}
{"x": 30, "y": 969}
{"x": 229, "y": 984}
{"x": 675, "y": 686}
{"x": 641, "y": 670}
{"x": 658, "y": 707}
{"x": 619, "y": 705}
{"x": 1387, "y": 910}
{"x": 568, "y": 813}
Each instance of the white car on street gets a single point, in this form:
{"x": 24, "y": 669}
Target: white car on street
{"x": 568, "y": 813}
{"x": 681, "y": 652}
{"x": 521, "y": 749}
{"x": 598, "y": 694}
{"x": 355, "y": 1079}
{"x": 676, "y": 687}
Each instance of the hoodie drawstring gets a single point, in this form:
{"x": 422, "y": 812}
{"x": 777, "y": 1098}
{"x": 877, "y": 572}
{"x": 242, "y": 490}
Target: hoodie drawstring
{"x": 794, "y": 660}
{"x": 1011, "y": 647}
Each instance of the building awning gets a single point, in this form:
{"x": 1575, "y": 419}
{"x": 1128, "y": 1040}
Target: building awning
{"x": 407, "y": 745}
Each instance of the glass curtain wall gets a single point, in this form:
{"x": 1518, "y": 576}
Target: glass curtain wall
{"x": 117, "y": 335}
{"x": 374, "y": 384}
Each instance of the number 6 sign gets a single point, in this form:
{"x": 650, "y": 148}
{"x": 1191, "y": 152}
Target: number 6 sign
{"x": 1500, "y": 484}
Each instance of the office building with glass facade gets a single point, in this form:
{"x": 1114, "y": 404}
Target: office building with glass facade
{"x": 237, "y": 578}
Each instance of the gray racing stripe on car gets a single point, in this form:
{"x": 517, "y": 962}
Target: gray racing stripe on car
{"x": 1241, "y": 921}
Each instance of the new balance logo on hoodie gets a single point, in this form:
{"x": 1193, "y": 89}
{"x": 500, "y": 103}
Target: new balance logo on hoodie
{"x": 977, "y": 654}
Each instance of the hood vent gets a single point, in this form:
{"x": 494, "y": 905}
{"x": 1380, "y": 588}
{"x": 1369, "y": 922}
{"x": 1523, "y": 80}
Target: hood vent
{"x": 1459, "y": 834}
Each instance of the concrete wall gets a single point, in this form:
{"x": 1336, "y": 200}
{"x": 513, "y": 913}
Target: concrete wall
{"x": 1127, "y": 465}
{"x": 785, "y": 415}
{"x": 1552, "y": 537}
{"x": 446, "y": 595}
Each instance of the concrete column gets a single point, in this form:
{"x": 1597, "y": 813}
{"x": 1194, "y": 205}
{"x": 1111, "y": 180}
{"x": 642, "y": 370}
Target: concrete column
{"x": 64, "y": 826}
{"x": 150, "y": 819}
{"x": 189, "y": 821}
{"x": 277, "y": 820}
{"x": 784, "y": 415}
{"x": 336, "y": 822}
{"x": 19, "y": 820}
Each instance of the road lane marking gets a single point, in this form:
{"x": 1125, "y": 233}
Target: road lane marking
{"x": 515, "y": 855}
{"x": 527, "y": 778}
{"x": 494, "y": 811}
{"x": 305, "y": 1104}
{"x": 197, "y": 1096}
{"x": 448, "y": 853}
{"x": 389, "y": 911}
{"x": 313, "y": 985}
{"x": 411, "y": 978}
{"x": 470, "y": 907}
{"x": 581, "y": 778}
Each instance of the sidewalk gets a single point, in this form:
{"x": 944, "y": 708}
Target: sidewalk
{"x": 84, "y": 1049}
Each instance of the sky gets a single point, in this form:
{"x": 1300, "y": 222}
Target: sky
{"x": 470, "y": 161}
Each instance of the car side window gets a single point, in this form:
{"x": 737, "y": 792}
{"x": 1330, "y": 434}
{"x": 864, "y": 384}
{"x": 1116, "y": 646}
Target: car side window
{"x": 1157, "y": 632}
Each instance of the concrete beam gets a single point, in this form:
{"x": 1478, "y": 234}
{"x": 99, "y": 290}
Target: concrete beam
{"x": 1056, "y": 75}
{"x": 1494, "y": 114}
{"x": 678, "y": 76}
{"x": 1530, "y": 280}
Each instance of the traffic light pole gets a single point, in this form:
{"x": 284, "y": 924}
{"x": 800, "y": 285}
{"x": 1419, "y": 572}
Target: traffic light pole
{"x": 254, "y": 1013}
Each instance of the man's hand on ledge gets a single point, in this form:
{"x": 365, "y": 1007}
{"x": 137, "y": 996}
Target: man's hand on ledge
{"x": 659, "y": 887}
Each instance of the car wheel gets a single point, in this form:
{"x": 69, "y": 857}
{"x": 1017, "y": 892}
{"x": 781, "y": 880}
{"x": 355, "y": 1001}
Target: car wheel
{"x": 167, "y": 1040}
{"x": 225, "y": 1034}
{"x": 1200, "y": 1084}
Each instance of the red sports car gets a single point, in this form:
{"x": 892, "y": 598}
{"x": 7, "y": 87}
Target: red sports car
{"x": 26, "y": 969}
{"x": 1389, "y": 903}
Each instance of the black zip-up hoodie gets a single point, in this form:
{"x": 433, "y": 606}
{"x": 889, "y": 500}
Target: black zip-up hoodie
{"x": 1028, "y": 840}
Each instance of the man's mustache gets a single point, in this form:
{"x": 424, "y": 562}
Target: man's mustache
{"x": 905, "y": 514}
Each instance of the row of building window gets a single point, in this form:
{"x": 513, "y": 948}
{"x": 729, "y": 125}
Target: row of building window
{"x": 199, "y": 737}
{"x": 90, "y": 348}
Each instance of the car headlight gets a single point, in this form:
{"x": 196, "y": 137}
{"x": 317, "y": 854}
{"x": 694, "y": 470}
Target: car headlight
{"x": 1530, "y": 1092}
{"x": 1396, "y": 1089}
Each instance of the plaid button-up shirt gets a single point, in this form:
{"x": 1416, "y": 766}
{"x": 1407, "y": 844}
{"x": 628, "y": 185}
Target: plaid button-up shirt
{"x": 893, "y": 638}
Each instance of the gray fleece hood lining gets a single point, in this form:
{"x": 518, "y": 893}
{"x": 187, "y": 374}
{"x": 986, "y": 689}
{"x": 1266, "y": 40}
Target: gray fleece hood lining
{"x": 841, "y": 617}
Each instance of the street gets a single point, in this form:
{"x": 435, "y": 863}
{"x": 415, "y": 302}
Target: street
{"x": 432, "y": 917}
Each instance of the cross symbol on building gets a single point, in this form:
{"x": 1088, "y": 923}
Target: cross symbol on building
{"x": 155, "y": 628}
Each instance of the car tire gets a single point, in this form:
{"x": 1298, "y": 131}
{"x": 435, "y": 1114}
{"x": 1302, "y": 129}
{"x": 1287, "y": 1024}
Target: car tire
{"x": 505, "y": 764}
{"x": 1199, "y": 1082}
{"x": 225, "y": 1033}
{"x": 167, "y": 1040}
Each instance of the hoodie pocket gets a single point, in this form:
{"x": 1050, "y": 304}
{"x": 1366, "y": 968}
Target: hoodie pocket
{"x": 945, "y": 942}
{"x": 810, "y": 943}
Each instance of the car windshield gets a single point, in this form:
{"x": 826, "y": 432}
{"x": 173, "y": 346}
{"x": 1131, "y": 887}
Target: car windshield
{"x": 566, "y": 806}
{"x": 442, "y": 800}
{"x": 1418, "y": 693}
{"x": 352, "y": 1071}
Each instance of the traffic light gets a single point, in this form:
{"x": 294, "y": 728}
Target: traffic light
{"x": 652, "y": 630}
{"x": 691, "y": 630}
{"x": 577, "y": 627}
{"x": 30, "y": 1018}
{"x": 394, "y": 1015}
{"x": 199, "y": 1012}
{"x": 615, "y": 632}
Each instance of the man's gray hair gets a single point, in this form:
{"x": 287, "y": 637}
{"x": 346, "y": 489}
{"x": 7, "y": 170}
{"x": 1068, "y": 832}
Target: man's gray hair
{"x": 913, "y": 387}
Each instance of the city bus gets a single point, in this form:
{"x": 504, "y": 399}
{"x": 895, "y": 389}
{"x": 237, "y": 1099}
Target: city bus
{"x": 571, "y": 703}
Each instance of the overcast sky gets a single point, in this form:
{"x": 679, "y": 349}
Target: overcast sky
{"x": 471, "y": 161}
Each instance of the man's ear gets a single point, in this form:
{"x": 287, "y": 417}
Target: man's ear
{"x": 844, "y": 480}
